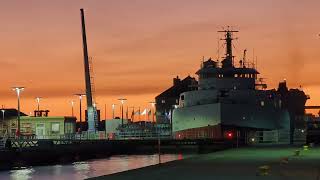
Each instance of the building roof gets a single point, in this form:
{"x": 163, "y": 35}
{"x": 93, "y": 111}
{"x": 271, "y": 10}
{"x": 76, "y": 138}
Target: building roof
{"x": 11, "y": 112}
{"x": 176, "y": 90}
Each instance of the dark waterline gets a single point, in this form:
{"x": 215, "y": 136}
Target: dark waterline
{"x": 87, "y": 169}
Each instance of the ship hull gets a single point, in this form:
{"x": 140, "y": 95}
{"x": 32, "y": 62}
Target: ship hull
{"x": 214, "y": 120}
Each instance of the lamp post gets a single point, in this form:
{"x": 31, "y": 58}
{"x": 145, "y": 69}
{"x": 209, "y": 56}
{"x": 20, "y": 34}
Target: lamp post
{"x": 3, "y": 111}
{"x": 122, "y": 100}
{"x": 80, "y": 108}
{"x": 72, "y": 104}
{"x": 113, "y": 107}
{"x": 18, "y": 90}
{"x": 38, "y": 102}
{"x": 152, "y": 110}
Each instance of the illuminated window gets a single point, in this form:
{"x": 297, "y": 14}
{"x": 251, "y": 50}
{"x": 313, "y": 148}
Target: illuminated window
{"x": 55, "y": 127}
{"x": 163, "y": 101}
{"x": 262, "y": 103}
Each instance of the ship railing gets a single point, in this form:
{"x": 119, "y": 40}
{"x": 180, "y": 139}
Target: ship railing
{"x": 278, "y": 137}
{"x": 143, "y": 135}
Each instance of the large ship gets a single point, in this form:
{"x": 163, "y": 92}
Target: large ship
{"x": 230, "y": 100}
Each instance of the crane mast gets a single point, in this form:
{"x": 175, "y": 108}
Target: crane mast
{"x": 90, "y": 108}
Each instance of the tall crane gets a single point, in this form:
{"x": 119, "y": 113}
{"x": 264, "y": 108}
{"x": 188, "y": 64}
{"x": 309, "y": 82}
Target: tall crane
{"x": 91, "y": 112}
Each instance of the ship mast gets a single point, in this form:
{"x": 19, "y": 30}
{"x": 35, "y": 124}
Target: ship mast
{"x": 228, "y": 61}
{"x": 90, "y": 108}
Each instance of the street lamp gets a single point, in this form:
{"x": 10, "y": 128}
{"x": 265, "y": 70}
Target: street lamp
{"x": 122, "y": 100}
{"x": 113, "y": 107}
{"x": 38, "y": 102}
{"x": 3, "y": 111}
{"x": 80, "y": 111}
{"x": 18, "y": 90}
{"x": 72, "y": 104}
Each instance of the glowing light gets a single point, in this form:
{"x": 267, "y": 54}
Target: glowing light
{"x": 229, "y": 134}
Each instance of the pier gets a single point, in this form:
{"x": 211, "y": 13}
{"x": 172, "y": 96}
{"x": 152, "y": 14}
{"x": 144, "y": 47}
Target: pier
{"x": 244, "y": 163}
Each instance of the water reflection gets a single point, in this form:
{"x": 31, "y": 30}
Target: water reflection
{"x": 87, "y": 169}
{"x": 21, "y": 174}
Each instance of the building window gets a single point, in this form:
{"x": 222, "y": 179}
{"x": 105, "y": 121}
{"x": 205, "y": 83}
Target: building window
{"x": 163, "y": 101}
{"x": 262, "y": 103}
{"x": 55, "y": 128}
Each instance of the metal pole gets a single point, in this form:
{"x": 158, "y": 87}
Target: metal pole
{"x": 159, "y": 150}
{"x": 122, "y": 114}
{"x": 72, "y": 109}
{"x": 159, "y": 143}
{"x": 237, "y": 138}
{"x": 139, "y": 114}
{"x": 105, "y": 112}
{"x": 113, "y": 106}
{"x": 18, "y": 93}
{"x": 80, "y": 114}
{"x": 152, "y": 115}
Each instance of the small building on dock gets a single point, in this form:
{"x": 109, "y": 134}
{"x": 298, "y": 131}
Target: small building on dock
{"x": 40, "y": 126}
{"x": 50, "y": 127}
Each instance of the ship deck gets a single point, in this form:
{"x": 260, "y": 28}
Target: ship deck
{"x": 243, "y": 163}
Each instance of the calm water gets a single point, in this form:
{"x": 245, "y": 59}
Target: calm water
{"x": 86, "y": 169}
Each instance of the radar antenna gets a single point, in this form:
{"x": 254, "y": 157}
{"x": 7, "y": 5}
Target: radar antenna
{"x": 228, "y": 61}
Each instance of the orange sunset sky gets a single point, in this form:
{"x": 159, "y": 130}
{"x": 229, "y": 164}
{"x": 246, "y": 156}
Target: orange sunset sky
{"x": 138, "y": 46}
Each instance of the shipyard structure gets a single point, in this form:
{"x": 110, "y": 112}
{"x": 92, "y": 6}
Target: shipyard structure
{"x": 229, "y": 100}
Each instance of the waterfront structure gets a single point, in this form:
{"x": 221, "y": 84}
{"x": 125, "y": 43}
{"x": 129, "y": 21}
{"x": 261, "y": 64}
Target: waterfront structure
{"x": 168, "y": 99}
{"x": 231, "y": 100}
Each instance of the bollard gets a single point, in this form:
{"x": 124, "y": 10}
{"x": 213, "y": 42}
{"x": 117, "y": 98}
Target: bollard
{"x": 264, "y": 170}
{"x": 296, "y": 152}
{"x": 311, "y": 145}
{"x": 284, "y": 160}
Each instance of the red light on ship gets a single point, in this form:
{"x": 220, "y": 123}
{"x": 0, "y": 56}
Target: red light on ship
{"x": 229, "y": 135}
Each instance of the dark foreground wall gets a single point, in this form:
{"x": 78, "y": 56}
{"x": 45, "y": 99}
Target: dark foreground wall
{"x": 49, "y": 152}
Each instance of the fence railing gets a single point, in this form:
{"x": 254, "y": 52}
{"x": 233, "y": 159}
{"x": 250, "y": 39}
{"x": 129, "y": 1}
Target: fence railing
{"x": 3, "y": 142}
